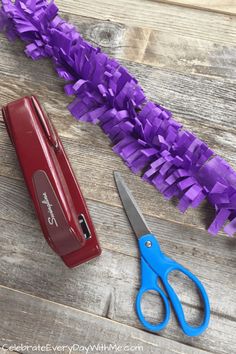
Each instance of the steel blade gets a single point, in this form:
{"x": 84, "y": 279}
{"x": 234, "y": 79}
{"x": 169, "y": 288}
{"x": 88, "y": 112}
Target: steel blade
{"x": 132, "y": 210}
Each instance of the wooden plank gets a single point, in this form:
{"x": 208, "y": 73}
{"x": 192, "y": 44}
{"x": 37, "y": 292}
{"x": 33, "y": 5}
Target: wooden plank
{"x": 226, "y": 6}
{"x": 16, "y": 207}
{"x": 158, "y": 16}
{"x": 210, "y": 101}
{"x": 112, "y": 297}
{"x": 28, "y": 264}
{"x": 178, "y": 52}
{"x": 191, "y": 98}
{"x": 94, "y": 166}
{"x": 4, "y": 351}
{"x": 32, "y": 321}
{"x": 182, "y": 93}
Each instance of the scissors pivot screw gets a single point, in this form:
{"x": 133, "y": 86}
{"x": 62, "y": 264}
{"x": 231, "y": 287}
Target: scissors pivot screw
{"x": 148, "y": 244}
{"x": 156, "y": 265}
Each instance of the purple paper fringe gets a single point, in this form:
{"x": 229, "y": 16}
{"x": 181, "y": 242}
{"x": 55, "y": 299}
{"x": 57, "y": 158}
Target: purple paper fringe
{"x": 143, "y": 133}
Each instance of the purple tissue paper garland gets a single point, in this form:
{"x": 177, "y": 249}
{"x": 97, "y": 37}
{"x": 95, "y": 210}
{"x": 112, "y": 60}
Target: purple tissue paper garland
{"x": 143, "y": 133}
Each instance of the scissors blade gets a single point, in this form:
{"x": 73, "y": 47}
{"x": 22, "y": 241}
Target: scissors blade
{"x": 132, "y": 210}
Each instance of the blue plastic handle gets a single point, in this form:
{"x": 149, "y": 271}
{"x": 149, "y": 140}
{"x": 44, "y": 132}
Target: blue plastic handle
{"x": 154, "y": 265}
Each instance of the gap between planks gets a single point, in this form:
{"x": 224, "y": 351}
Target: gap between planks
{"x": 110, "y": 331}
{"x": 225, "y": 7}
{"x": 24, "y": 272}
{"x": 119, "y": 205}
{"x": 55, "y": 303}
{"x": 156, "y": 48}
{"x": 152, "y": 202}
{"x": 154, "y": 15}
{"x": 183, "y": 247}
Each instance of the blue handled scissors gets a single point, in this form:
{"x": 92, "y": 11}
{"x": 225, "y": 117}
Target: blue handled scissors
{"x": 156, "y": 265}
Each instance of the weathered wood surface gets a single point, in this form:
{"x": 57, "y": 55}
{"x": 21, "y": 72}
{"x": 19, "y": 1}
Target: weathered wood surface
{"x": 99, "y": 185}
{"x": 225, "y": 6}
{"x": 159, "y": 16}
{"x": 4, "y": 351}
{"x": 201, "y": 119}
{"x": 60, "y": 325}
{"x": 29, "y": 265}
{"x": 185, "y": 59}
{"x": 187, "y": 51}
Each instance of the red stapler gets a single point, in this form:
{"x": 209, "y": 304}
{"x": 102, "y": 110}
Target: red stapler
{"x": 58, "y": 201}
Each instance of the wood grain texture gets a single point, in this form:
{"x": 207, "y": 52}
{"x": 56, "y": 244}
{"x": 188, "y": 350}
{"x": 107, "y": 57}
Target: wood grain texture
{"x": 190, "y": 97}
{"x": 4, "y": 351}
{"x": 99, "y": 155}
{"x": 185, "y": 59}
{"x": 41, "y": 272}
{"x": 178, "y": 52}
{"x": 59, "y": 325}
{"x": 224, "y": 6}
{"x": 158, "y": 16}
{"x": 100, "y": 186}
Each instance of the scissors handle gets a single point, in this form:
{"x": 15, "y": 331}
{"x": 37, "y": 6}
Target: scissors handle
{"x": 156, "y": 265}
{"x": 149, "y": 283}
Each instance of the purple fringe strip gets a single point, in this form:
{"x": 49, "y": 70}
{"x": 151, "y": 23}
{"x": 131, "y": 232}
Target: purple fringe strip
{"x": 143, "y": 133}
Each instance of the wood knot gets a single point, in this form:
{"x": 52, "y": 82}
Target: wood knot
{"x": 106, "y": 34}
